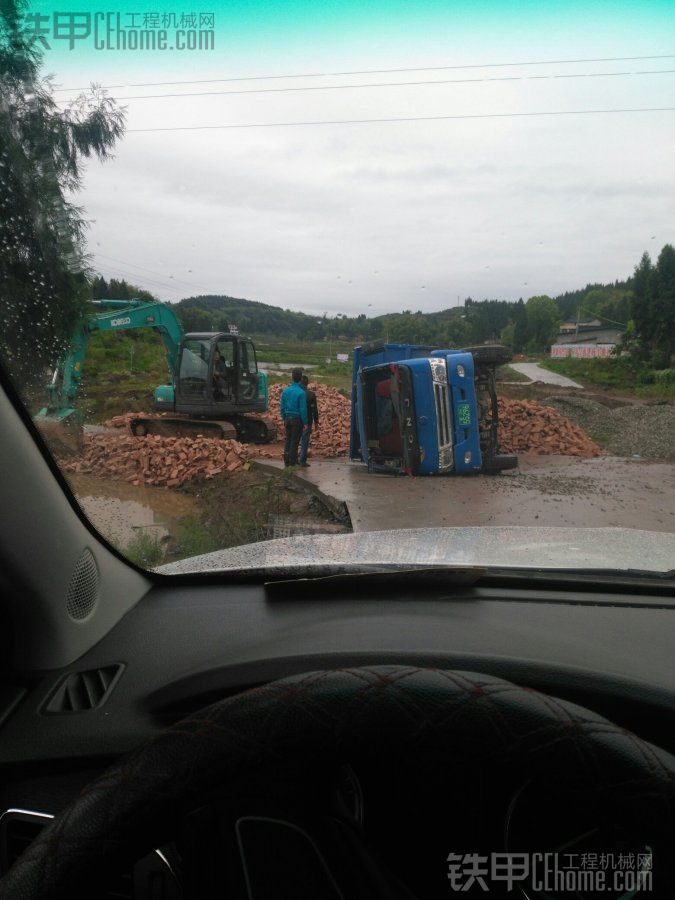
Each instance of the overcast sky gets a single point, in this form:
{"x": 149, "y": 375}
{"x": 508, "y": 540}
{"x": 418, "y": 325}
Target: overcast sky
{"x": 379, "y": 217}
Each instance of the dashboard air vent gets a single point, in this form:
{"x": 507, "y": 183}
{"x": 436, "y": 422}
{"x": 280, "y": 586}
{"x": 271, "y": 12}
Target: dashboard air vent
{"x": 83, "y": 691}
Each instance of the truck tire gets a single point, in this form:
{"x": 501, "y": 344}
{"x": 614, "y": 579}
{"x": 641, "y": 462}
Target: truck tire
{"x": 490, "y": 354}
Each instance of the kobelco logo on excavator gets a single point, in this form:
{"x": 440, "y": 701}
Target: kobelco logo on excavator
{"x": 117, "y": 322}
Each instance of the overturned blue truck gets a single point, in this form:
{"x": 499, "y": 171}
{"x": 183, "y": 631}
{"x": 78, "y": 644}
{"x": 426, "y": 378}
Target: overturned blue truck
{"x": 417, "y": 410}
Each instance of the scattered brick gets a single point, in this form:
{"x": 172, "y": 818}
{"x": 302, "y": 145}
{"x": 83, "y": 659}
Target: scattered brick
{"x": 156, "y": 460}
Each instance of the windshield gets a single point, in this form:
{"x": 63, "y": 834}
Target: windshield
{"x": 333, "y": 284}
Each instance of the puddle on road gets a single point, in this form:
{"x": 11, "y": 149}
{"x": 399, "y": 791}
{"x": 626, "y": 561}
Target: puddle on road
{"x": 121, "y": 511}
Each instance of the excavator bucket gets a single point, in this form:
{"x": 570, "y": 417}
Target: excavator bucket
{"x": 64, "y": 437}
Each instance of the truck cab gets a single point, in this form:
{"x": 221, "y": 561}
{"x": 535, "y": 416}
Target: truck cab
{"x": 417, "y": 410}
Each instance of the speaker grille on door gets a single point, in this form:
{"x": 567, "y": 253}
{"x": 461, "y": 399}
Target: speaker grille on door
{"x": 83, "y": 587}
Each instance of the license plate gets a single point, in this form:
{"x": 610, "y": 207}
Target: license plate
{"x": 464, "y": 414}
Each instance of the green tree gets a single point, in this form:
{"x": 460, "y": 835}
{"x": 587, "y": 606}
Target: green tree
{"x": 195, "y": 319}
{"x": 520, "y": 334}
{"x": 663, "y": 334}
{"x": 542, "y": 322}
{"x": 456, "y": 333}
{"x": 610, "y": 304}
{"x": 507, "y": 334}
{"x": 42, "y": 255}
{"x": 642, "y": 309}
{"x": 99, "y": 288}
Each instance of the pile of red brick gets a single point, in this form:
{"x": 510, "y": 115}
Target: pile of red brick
{"x": 155, "y": 460}
{"x": 332, "y": 437}
{"x": 529, "y": 427}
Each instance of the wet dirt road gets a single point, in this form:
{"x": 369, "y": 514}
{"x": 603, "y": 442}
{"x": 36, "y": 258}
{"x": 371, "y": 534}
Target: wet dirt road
{"x": 548, "y": 491}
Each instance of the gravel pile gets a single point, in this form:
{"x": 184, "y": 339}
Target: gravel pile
{"x": 633, "y": 431}
{"x": 647, "y": 431}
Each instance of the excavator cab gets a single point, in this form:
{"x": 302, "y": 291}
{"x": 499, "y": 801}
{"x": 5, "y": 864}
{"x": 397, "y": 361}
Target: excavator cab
{"x": 216, "y": 384}
{"x": 218, "y": 375}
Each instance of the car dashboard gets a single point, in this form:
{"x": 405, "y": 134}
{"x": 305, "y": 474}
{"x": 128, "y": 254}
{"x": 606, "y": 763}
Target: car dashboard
{"x": 186, "y": 645}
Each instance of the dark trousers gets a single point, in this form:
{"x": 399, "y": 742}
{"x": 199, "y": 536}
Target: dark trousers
{"x": 293, "y": 425}
{"x": 304, "y": 443}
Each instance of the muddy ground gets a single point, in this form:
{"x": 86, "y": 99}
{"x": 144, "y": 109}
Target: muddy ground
{"x": 153, "y": 525}
{"x": 633, "y": 486}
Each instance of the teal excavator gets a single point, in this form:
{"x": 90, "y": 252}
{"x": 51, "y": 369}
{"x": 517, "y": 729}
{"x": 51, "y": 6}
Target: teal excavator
{"x": 215, "y": 383}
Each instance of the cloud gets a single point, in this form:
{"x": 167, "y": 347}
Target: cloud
{"x": 384, "y": 216}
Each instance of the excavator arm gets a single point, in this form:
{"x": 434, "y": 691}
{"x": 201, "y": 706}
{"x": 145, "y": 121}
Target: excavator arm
{"x": 120, "y": 315}
{"x": 59, "y": 420}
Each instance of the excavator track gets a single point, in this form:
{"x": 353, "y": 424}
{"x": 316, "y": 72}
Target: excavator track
{"x": 247, "y": 429}
{"x": 168, "y": 426}
{"x": 255, "y": 429}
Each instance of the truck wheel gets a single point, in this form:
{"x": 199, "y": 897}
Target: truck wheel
{"x": 496, "y": 464}
{"x": 490, "y": 354}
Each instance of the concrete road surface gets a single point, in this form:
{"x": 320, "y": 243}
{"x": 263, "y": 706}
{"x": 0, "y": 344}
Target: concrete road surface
{"x": 535, "y": 372}
{"x": 544, "y": 490}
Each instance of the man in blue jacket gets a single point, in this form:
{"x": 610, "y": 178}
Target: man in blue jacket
{"x": 294, "y": 415}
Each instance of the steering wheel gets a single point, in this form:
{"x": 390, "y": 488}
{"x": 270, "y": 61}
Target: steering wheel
{"x": 342, "y": 715}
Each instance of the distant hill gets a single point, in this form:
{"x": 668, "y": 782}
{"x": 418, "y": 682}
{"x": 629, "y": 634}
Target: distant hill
{"x": 530, "y": 325}
{"x": 211, "y": 311}
{"x": 216, "y": 312}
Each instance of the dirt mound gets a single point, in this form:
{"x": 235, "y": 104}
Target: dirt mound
{"x": 159, "y": 461}
{"x": 332, "y": 437}
{"x": 529, "y": 427}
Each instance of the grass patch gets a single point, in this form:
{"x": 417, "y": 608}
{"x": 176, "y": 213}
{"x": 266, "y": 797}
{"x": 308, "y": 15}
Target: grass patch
{"x": 337, "y": 375}
{"x": 145, "y": 550}
{"x": 506, "y": 373}
{"x": 194, "y": 539}
{"x": 235, "y": 510}
{"x": 305, "y": 353}
{"x": 624, "y": 376}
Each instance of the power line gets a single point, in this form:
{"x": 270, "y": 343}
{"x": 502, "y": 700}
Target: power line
{"x": 604, "y": 318}
{"x": 157, "y": 275}
{"x": 132, "y": 277}
{"x": 388, "y": 84}
{"x": 549, "y": 62}
{"x": 512, "y": 115}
